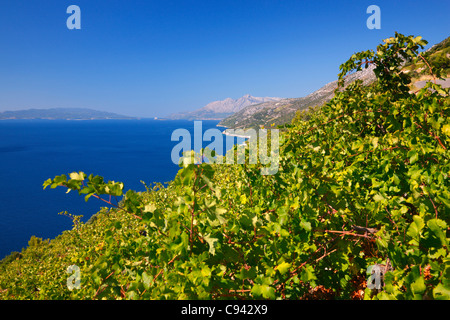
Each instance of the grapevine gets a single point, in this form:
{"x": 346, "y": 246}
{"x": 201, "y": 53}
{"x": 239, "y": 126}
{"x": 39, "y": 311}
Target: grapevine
{"x": 363, "y": 180}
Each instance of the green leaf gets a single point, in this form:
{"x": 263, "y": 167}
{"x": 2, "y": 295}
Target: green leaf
{"x": 211, "y": 241}
{"x": 47, "y": 183}
{"x": 219, "y": 215}
{"x": 441, "y": 292}
{"x": 418, "y": 286}
{"x": 80, "y": 176}
{"x": 150, "y": 207}
{"x": 86, "y": 198}
{"x": 444, "y": 200}
{"x": 438, "y": 226}
{"x": 206, "y": 272}
{"x": 416, "y": 282}
{"x": 378, "y": 197}
{"x": 283, "y": 267}
{"x": 375, "y": 142}
{"x": 415, "y": 227}
{"x": 146, "y": 280}
{"x": 132, "y": 295}
{"x": 307, "y": 273}
{"x": 382, "y": 242}
{"x": 446, "y": 129}
{"x": 263, "y": 290}
{"x": 306, "y": 225}
{"x": 413, "y": 156}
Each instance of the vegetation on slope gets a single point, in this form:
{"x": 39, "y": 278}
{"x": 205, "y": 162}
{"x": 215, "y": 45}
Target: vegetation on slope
{"x": 363, "y": 181}
{"x": 285, "y": 110}
{"x": 437, "y": 57}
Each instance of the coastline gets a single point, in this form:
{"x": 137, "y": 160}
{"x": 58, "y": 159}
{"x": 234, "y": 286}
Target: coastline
{"x": 235, "y": 135}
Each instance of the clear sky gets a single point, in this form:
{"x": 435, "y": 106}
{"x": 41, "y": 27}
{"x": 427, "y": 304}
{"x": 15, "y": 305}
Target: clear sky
{"x": 151, "y": 58}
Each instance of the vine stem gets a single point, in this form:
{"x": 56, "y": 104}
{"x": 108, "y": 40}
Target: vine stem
{"x": 434, "y": 206}
{"x": 113, "y": 204}
{"x": 429, "y": 67}
{"x": 432, "y": 134}
{"x": 191, "y": 230}
{"x": 161, "y": 271}
{"x": 98, "y": 290}
{"x": 346, "y": 233}
{"x": 325, "y": 254}
{"x": 116, "y": 206}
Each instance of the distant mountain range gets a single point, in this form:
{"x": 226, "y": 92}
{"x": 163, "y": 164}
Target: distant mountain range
{"x": 61, "y": 113}
{"x": 219, "y": 110}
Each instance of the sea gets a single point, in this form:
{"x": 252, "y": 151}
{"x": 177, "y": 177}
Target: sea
{"x": 31, "y": 151}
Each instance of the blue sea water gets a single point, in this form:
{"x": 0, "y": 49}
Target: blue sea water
{"x": 31, "y": 151}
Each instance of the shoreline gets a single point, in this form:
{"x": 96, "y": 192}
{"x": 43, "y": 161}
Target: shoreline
{"x": 235, "y": 135}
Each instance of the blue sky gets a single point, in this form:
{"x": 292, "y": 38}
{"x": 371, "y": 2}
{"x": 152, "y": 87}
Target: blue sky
{"x": 152, "y": 58}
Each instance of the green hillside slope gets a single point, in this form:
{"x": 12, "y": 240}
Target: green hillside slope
{"x": 438, "y": 56}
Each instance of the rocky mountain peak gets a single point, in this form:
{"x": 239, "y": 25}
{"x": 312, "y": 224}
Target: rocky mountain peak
{"x": 222, "y": 108}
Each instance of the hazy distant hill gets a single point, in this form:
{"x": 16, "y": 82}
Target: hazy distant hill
{"x": 61, "y": 113}
{"x": 218, "y": 110}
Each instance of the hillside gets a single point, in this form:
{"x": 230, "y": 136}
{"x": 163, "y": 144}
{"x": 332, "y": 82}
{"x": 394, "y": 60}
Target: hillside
{"x": 217, "y": 110}
{"x": 359, "y": 209}
{"x": 438, "y": 56}
{"x": 283, "y": 111}
{"x": 61, "y": 114}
